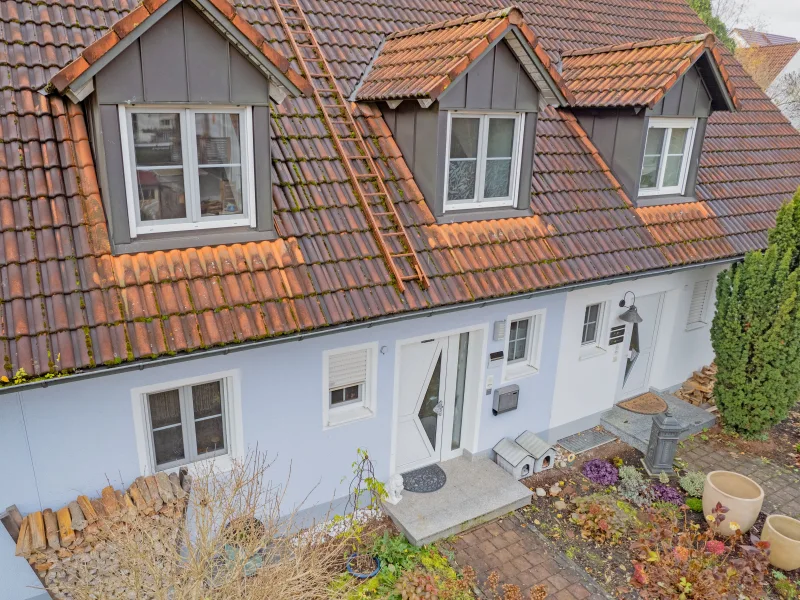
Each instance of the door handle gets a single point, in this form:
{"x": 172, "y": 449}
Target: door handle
{"x": 438, "y": 408}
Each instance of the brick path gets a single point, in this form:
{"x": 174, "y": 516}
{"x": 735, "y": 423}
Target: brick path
{"x": 781, "y": 486}
{"x": 522, "y": 557}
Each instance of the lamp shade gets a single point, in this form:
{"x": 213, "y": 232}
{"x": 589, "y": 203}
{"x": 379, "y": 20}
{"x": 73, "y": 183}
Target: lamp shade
{"x": 631, "y": 315}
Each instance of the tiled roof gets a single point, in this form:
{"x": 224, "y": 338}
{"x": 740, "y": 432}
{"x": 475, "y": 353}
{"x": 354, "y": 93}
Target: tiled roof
{"x": 765, "y": 63}
{"x": 127, "y": 25}
{"x": 637, "y": 73}
{"x": 423, "y": 62}
{"x": 762, "y": 38}
{"x": 68, "y": 303}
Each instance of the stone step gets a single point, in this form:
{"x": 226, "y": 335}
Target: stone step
{"x": 634, "y": 429}
{"x": 476, "y": 491}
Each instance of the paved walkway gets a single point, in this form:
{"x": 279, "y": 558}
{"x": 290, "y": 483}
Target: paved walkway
{"x": 521, "y": 556}
{"x": 781, "y": 486}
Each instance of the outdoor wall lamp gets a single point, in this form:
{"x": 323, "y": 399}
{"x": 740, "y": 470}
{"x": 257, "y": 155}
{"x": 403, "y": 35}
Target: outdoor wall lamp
{"x": 631, "y": 315}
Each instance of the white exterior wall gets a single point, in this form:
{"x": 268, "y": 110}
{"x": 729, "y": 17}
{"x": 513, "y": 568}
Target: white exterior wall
{"x": 587, "y": 386}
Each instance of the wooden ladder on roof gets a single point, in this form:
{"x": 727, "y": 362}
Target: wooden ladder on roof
{"x": 381, "y": 213}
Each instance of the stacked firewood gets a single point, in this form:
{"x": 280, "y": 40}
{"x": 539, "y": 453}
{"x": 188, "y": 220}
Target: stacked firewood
{"x": 51, "y": 541}
{"x": 699, "y": 388}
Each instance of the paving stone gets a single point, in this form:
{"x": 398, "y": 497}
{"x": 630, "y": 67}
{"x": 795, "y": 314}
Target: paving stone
{"x": 781, "y": 486}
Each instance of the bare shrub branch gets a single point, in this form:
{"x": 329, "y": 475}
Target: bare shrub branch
{"x": 232, "y": 544}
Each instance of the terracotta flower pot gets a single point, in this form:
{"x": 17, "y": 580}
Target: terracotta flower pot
{"x": 783, "y": 535}
{"x": 741, "y": 495}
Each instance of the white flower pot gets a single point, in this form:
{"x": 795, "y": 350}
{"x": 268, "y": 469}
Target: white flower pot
{"x": 783, "y": 535}
{"x": 741, "y": 495}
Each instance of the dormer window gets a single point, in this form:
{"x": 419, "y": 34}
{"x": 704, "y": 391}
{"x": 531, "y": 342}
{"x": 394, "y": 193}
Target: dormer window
{"x": 461, "y": 98}
{"x": 667, "y": 155}
{"x": 483, "y": 160}
{"x": 187, "y": 168}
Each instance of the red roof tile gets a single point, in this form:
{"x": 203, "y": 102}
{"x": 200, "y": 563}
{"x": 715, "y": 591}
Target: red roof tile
{"x": 637, "y": 73}
{"x": 67, "y": 303}
{"x": 423, "y": 62}
{"x": 765, "y": 63}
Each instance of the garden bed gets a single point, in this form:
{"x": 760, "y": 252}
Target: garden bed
{"x": 611, "y": 562}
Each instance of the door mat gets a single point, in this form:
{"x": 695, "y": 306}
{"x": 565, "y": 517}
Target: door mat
{"x": 424, "y": 480}
{"x": 586, "y": 440}
{"x": 646, "y": 404}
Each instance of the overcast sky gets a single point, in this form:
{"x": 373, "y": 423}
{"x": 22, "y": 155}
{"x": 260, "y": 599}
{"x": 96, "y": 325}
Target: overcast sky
{"x": 779, "y": 16}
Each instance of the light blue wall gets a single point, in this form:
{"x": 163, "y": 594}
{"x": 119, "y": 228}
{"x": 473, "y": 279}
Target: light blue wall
{"x": 81, "y": 434}
{"x": 17, "y": 579}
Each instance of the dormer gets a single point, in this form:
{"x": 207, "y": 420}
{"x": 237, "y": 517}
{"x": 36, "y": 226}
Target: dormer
{"x": 461, "y": 99}
{"x": 177, "y": 97}
{"x": 645, "y": 106}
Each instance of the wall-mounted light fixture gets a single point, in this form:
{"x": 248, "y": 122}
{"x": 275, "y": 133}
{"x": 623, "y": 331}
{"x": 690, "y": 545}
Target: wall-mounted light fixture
{"x": 631, "y": 315}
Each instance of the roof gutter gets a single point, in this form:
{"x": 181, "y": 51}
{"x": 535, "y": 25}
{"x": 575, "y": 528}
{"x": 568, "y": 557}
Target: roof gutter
{"x": 143, "y": 364}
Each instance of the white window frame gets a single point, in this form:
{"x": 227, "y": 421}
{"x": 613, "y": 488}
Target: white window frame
{"x": 366, "y": 406}
{"x": 670, "y": 123}
{"x": 232, "y": 424}
{"x": 530, "y": 363}
{"x": 193, "y": 220}
{"x": 483, "y": 135}
{"x": 593, "y": 347}
{"x": 703, "y": 321}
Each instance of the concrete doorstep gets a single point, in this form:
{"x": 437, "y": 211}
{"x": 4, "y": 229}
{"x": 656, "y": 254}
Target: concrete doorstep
{"x": 476, "y": 491}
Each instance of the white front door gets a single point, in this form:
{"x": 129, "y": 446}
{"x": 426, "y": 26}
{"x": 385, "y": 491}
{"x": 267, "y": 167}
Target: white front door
{"x": 431, "y": 401}
{"x": 641, "y": 347}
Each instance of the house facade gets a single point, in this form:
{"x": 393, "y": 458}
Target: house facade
{"x": 310, "y": 229}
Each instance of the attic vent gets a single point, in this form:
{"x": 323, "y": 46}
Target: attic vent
{"x": 697, "y": 308}
{"x": 347, "y": 368}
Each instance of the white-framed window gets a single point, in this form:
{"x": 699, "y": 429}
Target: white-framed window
{"x": 349, "y": 384}
{"x": 188, "y": 421}
{"x": 698, "y": 307}
{"x": 524, "y": 347}
{"x": 187, "y": 168}
{"x": 483, "y": 159}
{"x": 592, "y": 324}
{"x": 667, "y": 154}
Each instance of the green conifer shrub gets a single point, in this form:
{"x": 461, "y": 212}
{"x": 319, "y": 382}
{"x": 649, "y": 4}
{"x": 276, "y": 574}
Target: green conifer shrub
{"x": 756, "y": 331}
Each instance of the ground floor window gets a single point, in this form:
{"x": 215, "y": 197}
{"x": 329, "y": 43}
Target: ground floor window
{"x": 348, "y": 380}
{"x": 186, "y": 422}
{"x": 591, "y": 324}
{"x": 524, "y": 345}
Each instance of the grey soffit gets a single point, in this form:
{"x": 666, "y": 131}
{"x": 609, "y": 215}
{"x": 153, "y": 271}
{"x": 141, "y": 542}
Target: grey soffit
{"x": 549, "y": 93}
{"x": 586, "y": 440}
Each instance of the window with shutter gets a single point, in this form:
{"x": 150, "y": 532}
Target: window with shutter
{"x": 697, "y": 307}
{"x": 347, "y": 385}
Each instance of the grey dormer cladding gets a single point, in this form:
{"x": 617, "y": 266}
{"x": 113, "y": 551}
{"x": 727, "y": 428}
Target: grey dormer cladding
{"x": 495, "y": 82}
{"x": 181, "y": 59}
{"x": 620, "y": 134}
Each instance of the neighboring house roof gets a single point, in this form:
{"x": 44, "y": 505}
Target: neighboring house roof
{"x": 424, "y": 61}
{"x": 79, "y": 72}
{"x": 762, "y": 38}
{"x": 68, "y": 302}
{"x": 641, "y": 73}
{"x": 765, "y": 63}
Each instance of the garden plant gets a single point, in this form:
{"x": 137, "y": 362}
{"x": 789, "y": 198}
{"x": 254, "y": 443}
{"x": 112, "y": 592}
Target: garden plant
{"x": 756, "y": 331}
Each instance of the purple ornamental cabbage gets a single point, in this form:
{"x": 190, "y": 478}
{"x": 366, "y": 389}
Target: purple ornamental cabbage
{"x": 665, "y": 493}
{"x": 601, "y": 471}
